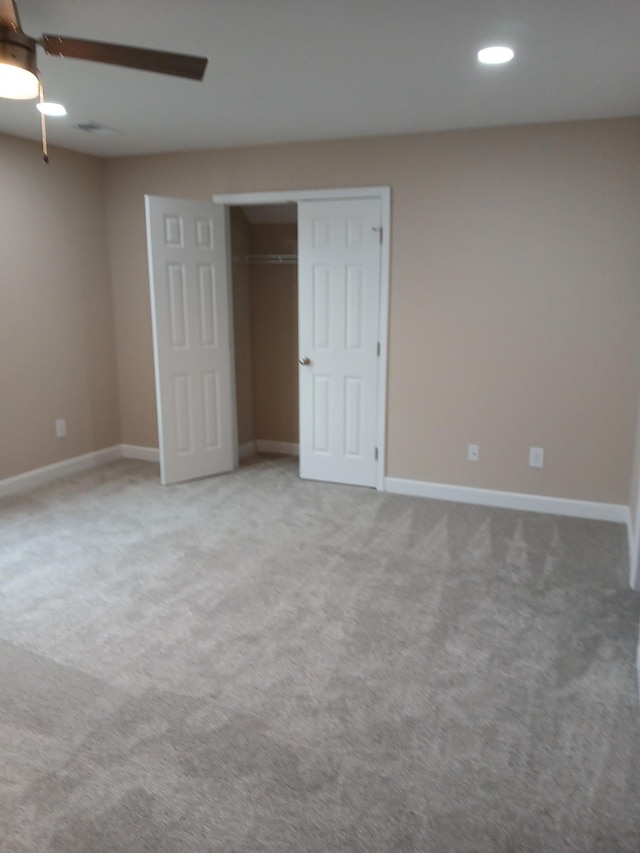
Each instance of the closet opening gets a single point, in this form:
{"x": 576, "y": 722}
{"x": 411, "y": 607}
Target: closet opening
{"x": 300, "y": 368}
{"x": 264, "y": 286}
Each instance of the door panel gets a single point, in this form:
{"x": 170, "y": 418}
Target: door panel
{"x": 191, "y": 316}
{"x": 339, "y": 314}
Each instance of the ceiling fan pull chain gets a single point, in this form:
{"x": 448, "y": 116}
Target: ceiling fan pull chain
{"x": 43, "y": 126}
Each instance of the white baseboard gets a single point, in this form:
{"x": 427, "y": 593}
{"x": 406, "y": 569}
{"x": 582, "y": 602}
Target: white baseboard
{"x": 509, "y": 500}
{"x": 68, "y": 467}
{"x": 634, "y": 556}
{"x": 39, "y": 476}
{"x": 134, "y": 451}
{"x": 395, "y": 485}
{"x": 247, "y": 449}
{"x": 286, "y": 448}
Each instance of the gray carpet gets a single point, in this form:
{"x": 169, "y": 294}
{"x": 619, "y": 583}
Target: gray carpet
{"x": 255, "y": 663}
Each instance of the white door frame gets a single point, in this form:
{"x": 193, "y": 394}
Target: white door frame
{"x": 384, "y": 195}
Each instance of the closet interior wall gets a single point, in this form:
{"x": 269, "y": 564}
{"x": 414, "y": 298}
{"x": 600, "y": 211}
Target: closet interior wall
{"x": 241, "y": 289}
{"x": 265, "y": 300}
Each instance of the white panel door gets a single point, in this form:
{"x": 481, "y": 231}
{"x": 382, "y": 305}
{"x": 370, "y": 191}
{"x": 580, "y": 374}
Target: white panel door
{"x": 188, "y": 272}
{"x": 339, "y": 315}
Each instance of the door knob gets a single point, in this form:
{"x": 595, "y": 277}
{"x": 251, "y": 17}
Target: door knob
{"x": 304, "y": 360}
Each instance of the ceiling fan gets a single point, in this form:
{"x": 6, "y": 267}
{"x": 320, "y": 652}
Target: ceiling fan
{"x": 19, "y": 76}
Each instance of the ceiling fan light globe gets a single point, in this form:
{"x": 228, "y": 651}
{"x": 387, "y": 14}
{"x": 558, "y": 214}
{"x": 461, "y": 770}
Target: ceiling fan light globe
{"x": 18, "y": 70}
{"x": 18, "y": 83}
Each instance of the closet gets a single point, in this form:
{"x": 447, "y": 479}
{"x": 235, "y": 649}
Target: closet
{"x": 316, "y": 265}
{"x": 264, "y": 274}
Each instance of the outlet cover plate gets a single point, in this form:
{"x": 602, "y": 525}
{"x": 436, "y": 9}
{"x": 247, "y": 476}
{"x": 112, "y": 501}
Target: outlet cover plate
{"x": 473, "y": 452}
{"x": 536, "y": 457}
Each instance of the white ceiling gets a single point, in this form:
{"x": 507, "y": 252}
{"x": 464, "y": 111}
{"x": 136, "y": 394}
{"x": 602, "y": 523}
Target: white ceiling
{"x": 289, "y": 70}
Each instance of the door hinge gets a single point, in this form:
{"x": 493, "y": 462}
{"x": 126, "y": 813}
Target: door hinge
{"x": 376, "y": 454}
{"x": 378, "y": 349}
{"x": 379, "y": 230}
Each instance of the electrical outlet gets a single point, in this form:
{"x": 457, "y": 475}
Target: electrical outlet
{"x": 473, "y": 452}
{"x": 61, "y": 428}
{"x": 536, "y": 457}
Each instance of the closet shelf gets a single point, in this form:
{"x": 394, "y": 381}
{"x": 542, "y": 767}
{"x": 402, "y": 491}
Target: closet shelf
{"x": 265, "y": 259}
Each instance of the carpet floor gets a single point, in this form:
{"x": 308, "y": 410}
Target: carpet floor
{"x": 257, "y": 663}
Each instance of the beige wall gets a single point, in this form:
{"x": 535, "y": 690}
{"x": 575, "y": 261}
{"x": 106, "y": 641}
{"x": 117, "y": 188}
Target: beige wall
{"x": 57, "y": 355}
{"x": 241, "y": 290}
{"x": 514, "y": 298}
{"x": 514, "y": 309}
{"x": 274, "y": 323}
{"x": 265, "y": 314}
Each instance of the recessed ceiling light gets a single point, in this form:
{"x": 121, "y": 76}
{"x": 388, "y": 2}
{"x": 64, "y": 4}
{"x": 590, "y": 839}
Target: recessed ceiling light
{"x": 50, "y": 109}
{"x": 495, "y": 55}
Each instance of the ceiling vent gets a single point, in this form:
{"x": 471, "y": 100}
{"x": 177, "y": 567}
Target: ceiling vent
{"x": 95, "y": 127}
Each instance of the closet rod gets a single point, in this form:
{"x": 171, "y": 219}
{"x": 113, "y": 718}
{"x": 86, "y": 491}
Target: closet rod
{"x": 265, "y": 259}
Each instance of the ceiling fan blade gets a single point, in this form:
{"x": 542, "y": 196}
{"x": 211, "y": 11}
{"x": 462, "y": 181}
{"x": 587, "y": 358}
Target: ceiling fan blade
{"x": 9, "y": 15}
{"x": 158, "y": 61}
